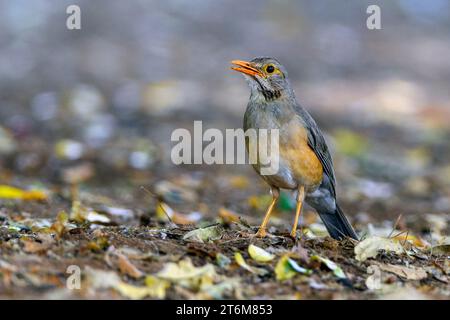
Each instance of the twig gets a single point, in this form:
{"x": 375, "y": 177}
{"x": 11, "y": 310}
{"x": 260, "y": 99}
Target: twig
{"x": 395, "y": 225}
{"x": 160, "y": 204}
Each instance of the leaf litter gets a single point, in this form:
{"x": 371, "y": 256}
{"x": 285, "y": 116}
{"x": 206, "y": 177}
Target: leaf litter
{"x": 174, "y": 255}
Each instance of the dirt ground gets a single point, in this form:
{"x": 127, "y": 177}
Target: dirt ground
{"x": 126, "y": 247}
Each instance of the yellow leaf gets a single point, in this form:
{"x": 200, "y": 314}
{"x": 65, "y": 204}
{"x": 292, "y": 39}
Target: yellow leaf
{"x": 186, "y": 274}
{"x": 137, "y": 293}
{"x": 416, "y": 241}
{"x": 241, "y": 262}
{"x": 59, "y": 226}
{"x": 287, "y": 268}
{"x": 228, "y": 216}
{"x": 8, "y": 192}
{"x": 164, "y": 212}
{"x": 260, "y": 255}
{"x": 157, "y": 286}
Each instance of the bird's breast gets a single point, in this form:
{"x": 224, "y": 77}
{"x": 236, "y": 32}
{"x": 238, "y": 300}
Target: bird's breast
{"x": 298, "y": 156}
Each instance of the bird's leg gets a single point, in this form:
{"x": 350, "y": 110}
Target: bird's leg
{"x": 262, "y": 228}
{"x": 300, "y": 199}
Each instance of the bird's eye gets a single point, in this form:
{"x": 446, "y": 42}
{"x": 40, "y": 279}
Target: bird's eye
{"x": 270, "y": 68}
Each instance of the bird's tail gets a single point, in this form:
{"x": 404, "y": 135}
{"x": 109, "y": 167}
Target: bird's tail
{"x": 337, "y": 224}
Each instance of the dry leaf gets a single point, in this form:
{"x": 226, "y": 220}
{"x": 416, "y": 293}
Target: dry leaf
{"x": 102, "y": 279}
{"x": 31, "y": 246}
{"x": 416, "y": 241}
{"x": 373, "y": 282}
{"x": 204, "y": 234}
{"x": 241, "y": 262}
{"x": 154, "y": 288}
{"x": 80, "y": 214}
{"x": 408, "y": 273}
{"x": 126, "y": 267}
{"x": 186, "y": 274}
{"x": 60, "y": 225}
{"x": 228, "y": 216}
{"x": 164, "y": 212}
{"x": 369, "y": 247}
{"x": 8, "y": 192}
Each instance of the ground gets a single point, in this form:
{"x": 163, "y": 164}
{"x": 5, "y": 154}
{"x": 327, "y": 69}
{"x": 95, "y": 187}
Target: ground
{"x": 126, "y": 247}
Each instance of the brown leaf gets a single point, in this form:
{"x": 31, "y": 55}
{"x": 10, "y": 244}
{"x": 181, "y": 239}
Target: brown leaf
{"x": 408, "y": 273}
{"x": 126, "y": 267}
{"x": 31, "y": 246}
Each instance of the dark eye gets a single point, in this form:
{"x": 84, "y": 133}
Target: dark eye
{"x": 270, "y": 69}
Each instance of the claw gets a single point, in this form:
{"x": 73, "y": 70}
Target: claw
{"x": 261, "y": 233}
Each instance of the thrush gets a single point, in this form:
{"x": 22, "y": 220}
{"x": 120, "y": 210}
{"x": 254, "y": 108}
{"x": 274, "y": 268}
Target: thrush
{"x": 305, "y": 163}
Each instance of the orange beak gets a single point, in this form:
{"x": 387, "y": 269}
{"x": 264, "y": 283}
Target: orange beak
{"x": 246, "y": 67}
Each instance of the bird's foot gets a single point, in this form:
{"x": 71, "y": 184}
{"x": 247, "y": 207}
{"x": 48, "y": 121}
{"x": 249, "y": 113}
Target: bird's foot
{"x": 261, "y": 233}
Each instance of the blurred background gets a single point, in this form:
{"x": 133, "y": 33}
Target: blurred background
{"x": 96, "y": 107}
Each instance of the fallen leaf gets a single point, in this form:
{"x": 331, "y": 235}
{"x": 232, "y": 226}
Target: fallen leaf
{"x": 164, "y": 212}
{"x": 102, "y": 279}
{"x": 318, "y": 229}
{"x": 228, "y": 216}
{"x": 8, "y": 192}
{"x": 416, "y": 241}
{"x": 80, "y": 214}
{"x": 442, "y": 247}
{"x": 31, "y": 246}
{"x": 60, "y": 225}
{"x": 204, "y": 234}
{"x": 217, "y": 291}
{"x": 260, "y": 255}
{"x": 186, "y": 274}
{"x": 408, "y": 273}
{"x": 287, "y": 268}
{"x": 132, "y": 292}
{"x": 373, "y": 282}
{"x": 242, "y": 263}
{"x": 157, "y": 286}
{"x": 369, "y": 247}
{"x": 337, "y": 271}
{"x": 126, "y": 267}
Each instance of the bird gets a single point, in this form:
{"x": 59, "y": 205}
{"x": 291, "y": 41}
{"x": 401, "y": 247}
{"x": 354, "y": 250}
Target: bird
{"x": 305, "y": 163}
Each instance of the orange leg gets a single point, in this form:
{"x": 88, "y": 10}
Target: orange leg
{"x": 298, "y": 210}
{"x": 262, "y": 228}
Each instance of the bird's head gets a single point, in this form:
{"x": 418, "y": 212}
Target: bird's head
{"x": 265, "y": 76}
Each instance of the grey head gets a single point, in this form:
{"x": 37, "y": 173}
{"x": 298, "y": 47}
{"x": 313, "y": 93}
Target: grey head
{"x": 266, "y": 76}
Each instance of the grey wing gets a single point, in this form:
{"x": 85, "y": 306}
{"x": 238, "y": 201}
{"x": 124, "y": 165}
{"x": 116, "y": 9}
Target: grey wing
{"x": 317, "y": 143}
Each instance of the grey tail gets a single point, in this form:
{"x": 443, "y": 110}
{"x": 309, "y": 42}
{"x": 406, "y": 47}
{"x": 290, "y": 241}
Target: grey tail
{"x": 337, "y": 224}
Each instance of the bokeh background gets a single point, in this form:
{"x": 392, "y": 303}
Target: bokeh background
{"x": 95, "y": 107}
